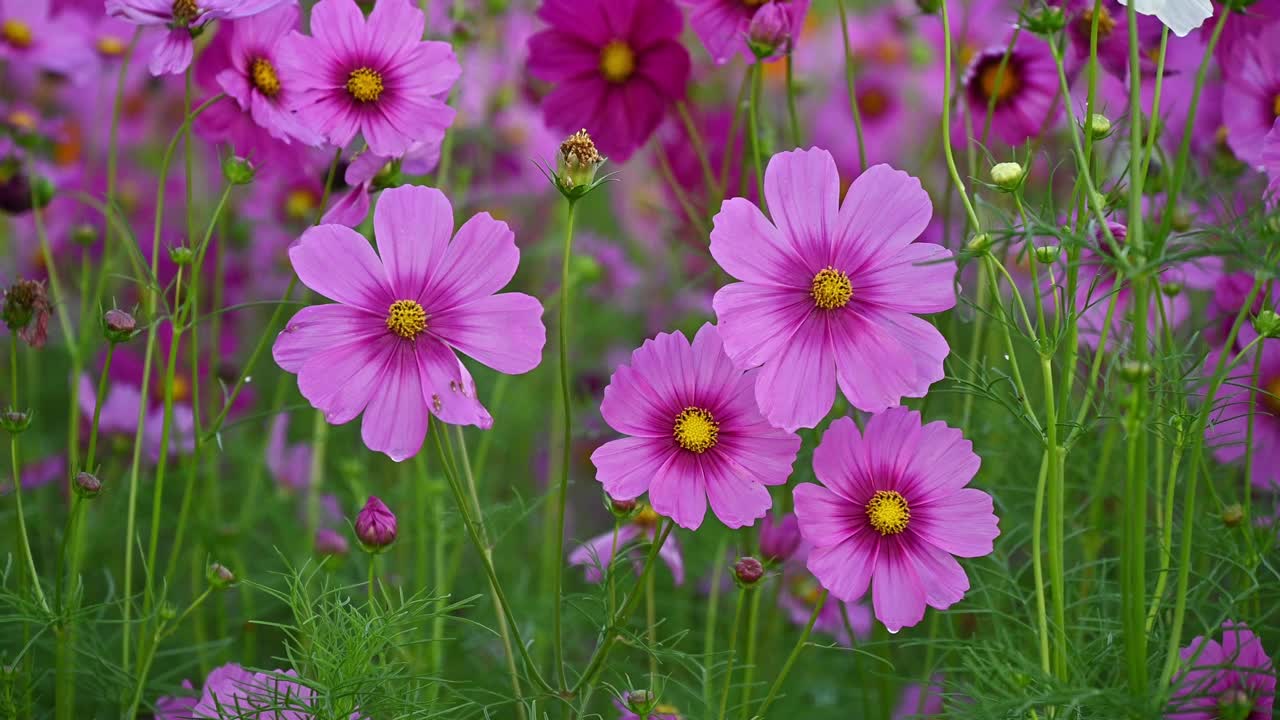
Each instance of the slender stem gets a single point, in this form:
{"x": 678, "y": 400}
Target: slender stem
{"x": 709, "y": 633}
{"x": 651, "y": 626}
{"x": 795, "y": 653}
{"x": 851, "y": 86}
{"x": 24, "y": 542}
{"x": 946, "y": 120}
{"x": 749, "y": 670}
{"x": 566, "y": 450}
{"x": 792, "y": 115}
{"x": 753, "y": 128}
{"x": 699, "y": 148}
{"x": 373, "y": 561}
{"x": 733, "y": 652}
{"x": 1037, "y": 526}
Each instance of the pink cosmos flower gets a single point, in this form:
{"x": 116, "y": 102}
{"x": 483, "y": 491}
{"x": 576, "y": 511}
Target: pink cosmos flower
{"x": 180, "y": 17}
{"x": 829, "y": 289}
{"x": 1228, "y": 430}
{"x": 376, "y": 77}
{"x": 617, "y": 65}
{"x": 1252, "y": 89}
{"x": 800, "y": 591}
{"x": 1231, "y": 679}
{"x": 232, "y": 691}
{"x": 722, "y": 25}
{"x": 1025, "y": 93}
{"x": 387, "y": 347}
{"x": 252, "y": 74}
{"x": 695, "y": 434}
{"x": 32, "y": 38}
{"x": 596, "y": 554}
{"x": 893, "y": 507}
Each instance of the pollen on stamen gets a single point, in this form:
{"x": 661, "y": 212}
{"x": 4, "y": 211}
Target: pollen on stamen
{"x": 831, "y": 289}
{"x": 111, "y": 46}
{"x": 365, "y": 84}
{"x": 696, "y": 430}
{"x": 617, "y": 61}
{"x": 264, "y": 77}
{"x": 16, "y": 33}
{"x": 185, "y": 11}
{"x": 999, "y": 83}
{"x": 888, "y": 512}
{"x": 406, "y": 318}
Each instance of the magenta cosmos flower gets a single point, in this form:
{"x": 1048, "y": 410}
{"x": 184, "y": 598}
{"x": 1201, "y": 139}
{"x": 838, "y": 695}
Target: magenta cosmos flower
{"x": 1228, "y": 433}
{"x": 828, "y": 289}
{"x": 1025, "y": 93}
{"x": 376, "y": 77}
{"x": 596, "y": 554}
{"x": 722, "y": 25}
{"x": 387, "y": 347}
{"x": 180, "y": 17}
{"x": 1233, "y": 679}
{"x": 617, "y": 65}
{"x": 1252, "y": 90}
{"x": 695, "y": 434}
{"x": 1271, "y": 160}
{"x": 893, "y": 507}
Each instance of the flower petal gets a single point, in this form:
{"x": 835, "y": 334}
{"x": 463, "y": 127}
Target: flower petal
{"x": 339, "y": 263}
{"x": 678, "y": 491}
{"x": 395, "y": 421}
{"x": 447, "y": 387}
{"x": 625, "y": 467}
{"x": 897, "y": 595}
{"x": 797, "y": 388}
{"x": 803, "y": 191}
{"x": 750, "y": 248}
{"x": 341, "y": 380}
{"x": 479, "y": 262}
{"x": 883, "y": 212}
{"x": 413, "y": 225}
{"x": 502, "y": 331}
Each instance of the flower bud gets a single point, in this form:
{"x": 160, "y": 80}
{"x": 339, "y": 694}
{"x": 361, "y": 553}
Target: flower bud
{"x": 14, "y": 421}
{"x": 375, "y": 526}
{"x": 1267, "y": 323}
{"x": 1099, "y": 127}
{"x": 182, "y": 255}
{"x": 623, "y": 509}
{"x": 979, "y": 243}
{"x": 577, "y": 164}
{"x": 1048, "y": 254}
{"x": 1007, "y": 176}
{"x": 220, "y": 577}
{"x": 929, "y": 7}
{"x": 747, "y": 572}
{"x": 85, "y": 235}
{"x": 640, "y": 702}
{"x": 1171, "y": 289}
{"x": 119, "y": 326}
{"x": 1046, "y": 21}
{"x": 1236, "y": 704}
{"x": 26, "y": 311}
{"x": 166, "y": 611}
{"x": 1134, "y": 371}
{"x": 238, "y": 170}
{"x": 779, "y": 539}
{"x": 329, "y": 542}
{"x": 1232, "y": 515}
{"x": 770, "y": 31}
{"x": 87, "y": 485}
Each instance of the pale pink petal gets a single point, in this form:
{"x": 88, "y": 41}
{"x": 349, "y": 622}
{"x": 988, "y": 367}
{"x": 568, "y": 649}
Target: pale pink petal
{"x": 396, "y": 24}
{"x": 339, "y": 263}
{"x": 479, "y": 262}
{"x": 897, "y": 594}
{"x": 945, "y": 457}
{"x": 757, "y": 323}
{"x": 413, "y": 225}
{"x": 884, "y": 356}
{"x": 825, "y": 518}
{"x": 919, "y": 279}
{"x": 173, "y": 55}
{"x": 803, "y": 191}
{"x": 750, "y": 248}
{"x": 797, "y": 388}
{"x": 633, "y": 407}
{"x": 596, "y": 554}
{"x": 883, "y": 212}
{"x": 502, "y": 331}
{"x": 943, "y": 580}
{"x": 341, "y": 380}
{"x": 317, "y": 328}
{"x": 839, "y": 461}
{"x": 845, "y": 569}
{"x": 395, "y": 421}
{"x": 677, "y": 491}
{"x": 736, "y": 498}
{"x": 447, "y": 387}
{"x": 625, "y": 467}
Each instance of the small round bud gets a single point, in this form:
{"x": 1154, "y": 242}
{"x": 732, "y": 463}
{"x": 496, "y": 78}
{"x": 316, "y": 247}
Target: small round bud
{"x": 1134, "y": 371}
{"x": 14, "y": 421}
{"x": 85, "y": 235}
{"x": 119, "y": 326}
{"x": 623, "y": 509}
{"x": 166, "y": 611}
{"x": 1235, "y": 704}
{"x": 979, "y": 243}
{"x": 1099, "y": 127}
{"x": 1232, "y": 515}
{"x": 1181, "y": 220}
{"x": 237, "y": 170}
{"x": 747, "y": 571}
{"x": 1048, "y": 254}
{"x": 220, "y": 577}
{"x": 1267, "y": 323}
{"x": 770, "y": 30}
{"x": 375, "y": 526}
{"x": 1007, "y": 176}
{"x": 643, "y": 703}
{"x": 182, "y": 255}
{"x": 1171, "y": 289}
{"x": 87, "y": 485}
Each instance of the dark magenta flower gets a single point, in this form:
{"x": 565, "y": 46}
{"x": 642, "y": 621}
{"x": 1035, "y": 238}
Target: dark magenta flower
{"x": 1252, "y": 92}
{"x": 375, "y": 77}
{"x": 1023, "y": 94}
{"x": 617, "y": 66}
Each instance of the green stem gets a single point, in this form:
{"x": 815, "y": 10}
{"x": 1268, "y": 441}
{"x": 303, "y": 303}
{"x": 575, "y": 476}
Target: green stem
{"x": 851, "y": 86}
{"x": 795, "y": 653}
{"x": 946, "y": 120}
{"x": 566, "y": 450}
{"x": 709, "y": 632}
{"x": 733, "y": 652}
{"x": 753, "y": 128}
{"x": 1037, "y": 568}
{"x": 792, "y": 115}
{"x": 749, "y": 670}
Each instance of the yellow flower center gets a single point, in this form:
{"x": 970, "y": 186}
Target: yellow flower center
{"x": 647, "y": 517}
{"x": 16, "y": 33}
{"x": 185, "y": 11}
{"x": 873, "y": 103}
{"x": 1275, "y": 105}
{"x": 264, "y": 77}
{"x": 617, "y": 61}
{"x": 1272, "y": 398}
{"x": 807, "y": 590}
{"x": 365, "y": 84}
{"x": 300, "y": 204}
{"x": 831, "y": 289}
{"x": 696, "y": 430}
{"x": 181, "y": 389}
{"x": 998, "y": 83}
{"x": 1106, "y": 25}
{"x": 888, "y": 512}
{"x": 111, "y": 46}
{"x": 22, "y": 120}
{"x": 406, "y": 318}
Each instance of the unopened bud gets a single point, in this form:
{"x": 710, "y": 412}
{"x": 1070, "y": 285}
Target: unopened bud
{"x": 748, "y": 571}
{"x": 1232, "y": 515}
{"x": 1267, "y": 323}
{"x": 770, "y": 30}
{"x": 1171, "y": 289}
{"x": 166, "y": 611}
{"x": 640, "y": 702}
{"x": 1047, "y": 21}
{"x": 1134, "y": 371}
{"x": 119, "y": 326}
{"x": 14, "y": 421}
{"x": 220, "y": 577}
{"x": 85, "y": 235}
{"x": 622, "y": 509}
{"x": 237, "y": 170}
{"x": 1099, "y": 127}
{"x": 87, "y": 485}
{"x": 1048, "y": 254}
{"x": 182, "y": 255}
{"x": 979, "y": 243}
{"x": 375, "y": 526}
{"x": 1007, "y": 176}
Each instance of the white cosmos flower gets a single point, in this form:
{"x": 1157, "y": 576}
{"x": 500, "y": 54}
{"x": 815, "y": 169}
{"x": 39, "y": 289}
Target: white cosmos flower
{"x": 1180, "y": 16}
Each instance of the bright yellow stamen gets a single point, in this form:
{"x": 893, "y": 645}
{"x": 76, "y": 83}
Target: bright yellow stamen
{"x": 831, "y": 289}
{"x": 111, "y": 46}
{"x": 264, "y": 77}
{"x": 1272, "y": 398}
{"x": 300, "y": 204}
{"x": 185, "y": 11}
{"x": 888, "y": 512}
{"x": 873, "y": 103}
{"x": 999, "y": 83}
{"x": 617, "y": 61}
{"x": 181, "y": 389}
{"x": 696, "y": 430}
{"x": 16, "y": 33}
{"x": 406, "y": 318}
{"x": 365, "y": 84}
